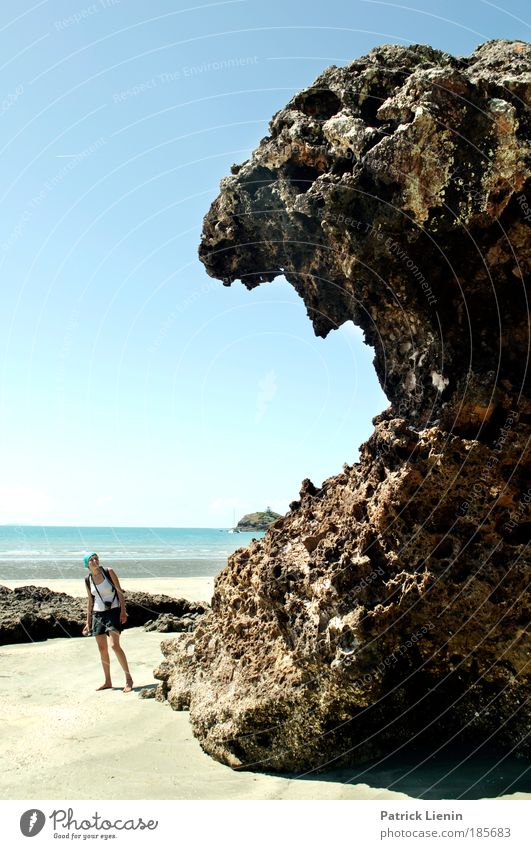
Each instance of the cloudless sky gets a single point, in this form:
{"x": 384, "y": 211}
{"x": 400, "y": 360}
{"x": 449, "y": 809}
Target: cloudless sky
{"x": 134, "y": 389}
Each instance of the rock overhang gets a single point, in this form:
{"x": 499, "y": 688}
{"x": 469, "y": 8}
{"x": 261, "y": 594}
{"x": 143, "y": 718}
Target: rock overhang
{"x": 387, "y": 194}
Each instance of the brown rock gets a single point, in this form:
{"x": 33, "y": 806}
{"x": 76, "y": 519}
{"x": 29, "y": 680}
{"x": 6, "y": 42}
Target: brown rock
{"x": 165, "y": 622}
{"x": 392, "y": 603}
{"x": 29, "y": 613}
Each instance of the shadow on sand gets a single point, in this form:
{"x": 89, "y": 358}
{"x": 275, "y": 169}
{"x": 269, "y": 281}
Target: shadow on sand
{"x": 452, "y": 773}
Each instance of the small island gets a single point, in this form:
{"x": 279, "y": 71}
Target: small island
{"x": 259, "y": 521}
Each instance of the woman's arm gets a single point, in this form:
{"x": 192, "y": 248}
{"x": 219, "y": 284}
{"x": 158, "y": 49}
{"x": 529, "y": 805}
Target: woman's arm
{"x": 120, "y": 592}
{"x": 90, "y": 605}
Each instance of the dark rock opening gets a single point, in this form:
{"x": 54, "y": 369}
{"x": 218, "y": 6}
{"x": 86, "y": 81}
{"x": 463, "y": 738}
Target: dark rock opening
{"x": 302, "y": 176}
{"x": 321, "y": 104}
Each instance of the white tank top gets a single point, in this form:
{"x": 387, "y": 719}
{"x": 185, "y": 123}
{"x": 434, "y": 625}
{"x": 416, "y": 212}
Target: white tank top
{"x": 106, "y": 590}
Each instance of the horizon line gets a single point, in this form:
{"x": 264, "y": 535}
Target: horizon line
{"x": 111, "y": 527}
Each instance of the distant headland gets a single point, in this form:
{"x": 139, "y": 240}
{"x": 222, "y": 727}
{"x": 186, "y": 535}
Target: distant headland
{"x": 258, "y": 521}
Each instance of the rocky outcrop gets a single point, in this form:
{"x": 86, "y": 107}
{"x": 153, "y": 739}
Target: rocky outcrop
{"x": 391, "y": 603}
{"x": 391, "y": 193}
{"x": 30, "y": 614}
{"x": 258, "y": 521}
{"x": 186, "y": 621}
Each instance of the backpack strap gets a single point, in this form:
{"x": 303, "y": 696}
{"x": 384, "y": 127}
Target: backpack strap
{"x": 105, "y": 575}
{"x": 110, "y": 580}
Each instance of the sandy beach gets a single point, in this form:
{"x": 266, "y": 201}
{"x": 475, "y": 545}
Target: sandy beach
{"x": 194, "y": 589}
{"x": 63, "y": 740}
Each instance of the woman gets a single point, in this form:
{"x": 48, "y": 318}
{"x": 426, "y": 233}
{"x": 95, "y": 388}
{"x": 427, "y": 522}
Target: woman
{"x": 106, "y": 612}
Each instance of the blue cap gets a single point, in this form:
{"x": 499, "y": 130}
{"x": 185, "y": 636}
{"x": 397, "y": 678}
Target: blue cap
{"x": 87, "y": 558}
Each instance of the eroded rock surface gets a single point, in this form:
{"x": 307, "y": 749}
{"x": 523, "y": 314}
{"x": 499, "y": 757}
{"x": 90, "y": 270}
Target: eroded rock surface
{"x": 391, "y": 603}
{"x": 185, "y": 621}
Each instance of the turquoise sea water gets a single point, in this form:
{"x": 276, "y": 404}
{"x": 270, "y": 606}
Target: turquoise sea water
{"x": 38, "y": 551}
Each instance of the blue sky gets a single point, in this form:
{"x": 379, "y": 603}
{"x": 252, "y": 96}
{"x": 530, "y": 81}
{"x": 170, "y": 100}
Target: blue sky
{"x": 134, "y": 389}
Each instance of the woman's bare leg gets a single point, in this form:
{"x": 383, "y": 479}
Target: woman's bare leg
{"x": 101, "y": 640}
{"x": 114, "y": 638}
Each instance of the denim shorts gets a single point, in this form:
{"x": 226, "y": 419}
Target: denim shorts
{"x": 104, "y": 621}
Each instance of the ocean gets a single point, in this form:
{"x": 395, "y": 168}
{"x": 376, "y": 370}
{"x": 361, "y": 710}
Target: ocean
{"x": 40, "y": 552}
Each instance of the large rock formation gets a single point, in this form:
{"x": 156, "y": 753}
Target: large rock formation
{"x": 392, "y": 603}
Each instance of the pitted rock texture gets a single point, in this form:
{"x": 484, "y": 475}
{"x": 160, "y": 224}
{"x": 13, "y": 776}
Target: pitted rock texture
{"x": 392, "y": 603}
{"x": 186, "y": 621}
